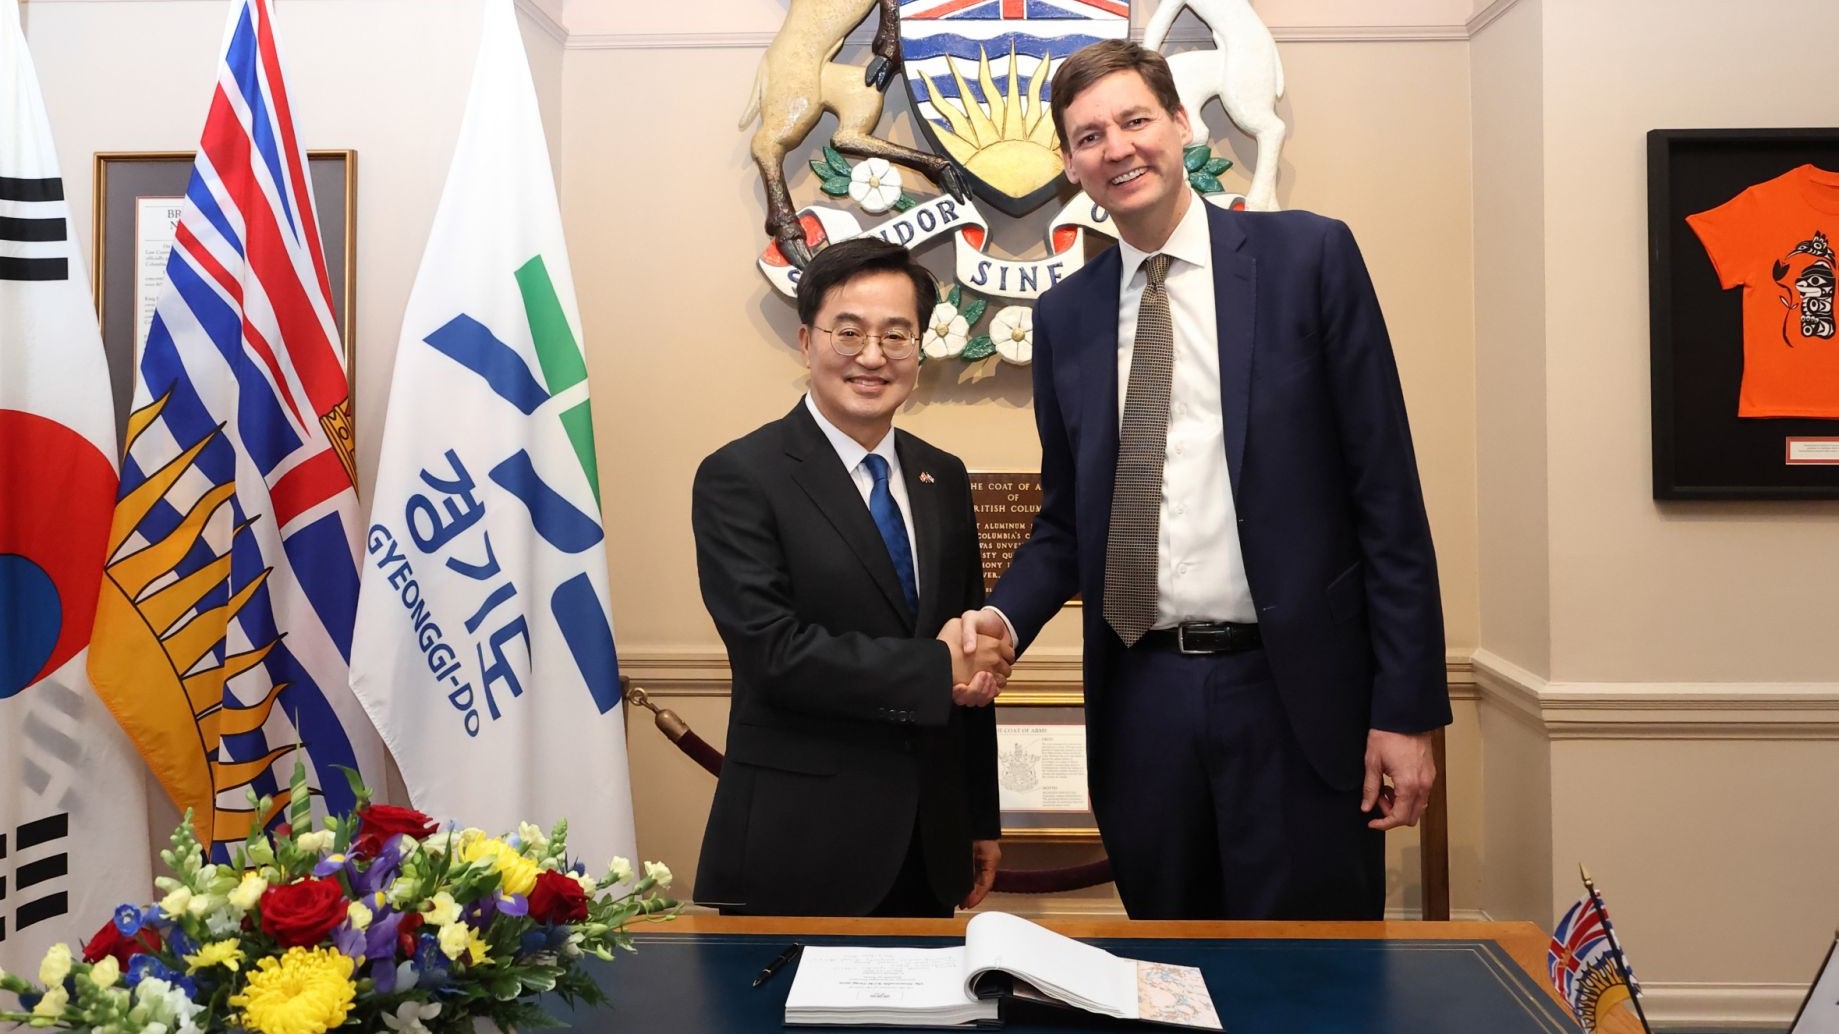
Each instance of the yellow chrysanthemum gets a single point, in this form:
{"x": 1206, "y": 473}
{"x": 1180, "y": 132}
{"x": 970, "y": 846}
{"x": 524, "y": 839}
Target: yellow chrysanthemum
{"x": 306, "y": 991}
{"x": 228, "y": 954}
{"x": 516, "y": 874}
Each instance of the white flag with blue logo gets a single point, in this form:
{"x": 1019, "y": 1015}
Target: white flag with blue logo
{"x": 485, "y": 647}
{"x": 73, "y": 820}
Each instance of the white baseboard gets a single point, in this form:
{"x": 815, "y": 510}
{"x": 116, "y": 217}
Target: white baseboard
{"x": 1722, "y": 1006}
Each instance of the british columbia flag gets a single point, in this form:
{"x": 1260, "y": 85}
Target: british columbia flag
{"x": 224, "y": 626}
{"x": 1582, "y": 957}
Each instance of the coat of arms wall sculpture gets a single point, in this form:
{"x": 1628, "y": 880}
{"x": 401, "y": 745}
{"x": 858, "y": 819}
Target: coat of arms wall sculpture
{"x": 977, "y": 74}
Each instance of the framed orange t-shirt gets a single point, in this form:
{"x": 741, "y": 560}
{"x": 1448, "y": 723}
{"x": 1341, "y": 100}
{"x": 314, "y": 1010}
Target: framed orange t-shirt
{"x": 1773, "y": 240}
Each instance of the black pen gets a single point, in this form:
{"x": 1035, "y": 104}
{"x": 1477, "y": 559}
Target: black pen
{"x": 790, "y": 953}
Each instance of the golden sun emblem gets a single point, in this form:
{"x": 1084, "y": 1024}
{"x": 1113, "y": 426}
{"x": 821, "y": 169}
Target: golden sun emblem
{"x": 1012, "y": 146}
{"x": 155, "y": 659}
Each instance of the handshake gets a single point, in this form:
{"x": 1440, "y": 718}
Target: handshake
{"x": 981, "y": 655}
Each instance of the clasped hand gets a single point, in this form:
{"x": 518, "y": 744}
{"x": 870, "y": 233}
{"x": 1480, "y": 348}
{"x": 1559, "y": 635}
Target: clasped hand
{"x": 979, "y": 664}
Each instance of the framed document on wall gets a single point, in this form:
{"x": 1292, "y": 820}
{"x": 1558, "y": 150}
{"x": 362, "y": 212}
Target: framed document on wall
{"x": 138, "y": 199}
{"x": 1744, "y": 351}
{"x": 1041, "y": 766}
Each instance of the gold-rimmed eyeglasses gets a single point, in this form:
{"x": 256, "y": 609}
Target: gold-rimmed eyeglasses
{"x": 850, "y": 341}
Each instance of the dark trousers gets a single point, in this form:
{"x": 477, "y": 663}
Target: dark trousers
{"x": 1207, "y": 806}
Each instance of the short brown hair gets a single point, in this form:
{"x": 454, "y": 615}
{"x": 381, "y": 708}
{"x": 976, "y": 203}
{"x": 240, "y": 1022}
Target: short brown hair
{"x": 1091, "y": 63}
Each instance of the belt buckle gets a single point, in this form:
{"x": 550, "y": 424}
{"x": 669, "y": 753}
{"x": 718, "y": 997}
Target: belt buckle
{"x": 1181, "y": 643}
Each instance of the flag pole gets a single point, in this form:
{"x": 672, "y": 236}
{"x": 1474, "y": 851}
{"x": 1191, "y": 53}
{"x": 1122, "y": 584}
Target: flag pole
{"x": 1615, "y": 947}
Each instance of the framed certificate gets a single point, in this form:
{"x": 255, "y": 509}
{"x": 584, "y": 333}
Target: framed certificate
{"x": 139, "y": 195}
{"x": 1041, "y": 767}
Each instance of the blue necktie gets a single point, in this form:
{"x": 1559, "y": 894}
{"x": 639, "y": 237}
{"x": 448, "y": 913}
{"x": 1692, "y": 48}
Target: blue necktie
{"x": 886, "y": 511}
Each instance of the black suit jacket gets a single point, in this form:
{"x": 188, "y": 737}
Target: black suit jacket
{"x": 1323, "y": 477}
{"x": 842, "y": 733}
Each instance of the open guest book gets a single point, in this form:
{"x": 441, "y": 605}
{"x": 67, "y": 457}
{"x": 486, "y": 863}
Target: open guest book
{"x": 1003, "y": 957}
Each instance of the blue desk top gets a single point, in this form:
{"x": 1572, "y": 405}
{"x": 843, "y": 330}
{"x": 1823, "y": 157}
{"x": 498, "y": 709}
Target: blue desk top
{"x": 700, "y": 984}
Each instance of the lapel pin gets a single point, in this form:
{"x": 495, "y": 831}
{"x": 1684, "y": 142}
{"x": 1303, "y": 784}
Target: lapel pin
{"x": 925, "y": 477}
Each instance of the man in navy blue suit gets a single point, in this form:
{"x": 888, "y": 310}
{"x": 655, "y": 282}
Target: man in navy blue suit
{"x": 1228, "y": 478}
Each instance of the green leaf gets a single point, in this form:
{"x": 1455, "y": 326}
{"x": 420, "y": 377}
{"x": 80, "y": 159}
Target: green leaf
{"x": 837, "y": 161}
{"x": 980, "y": 347}
{"x": 973, "y": 311}
{"x": 837, "y": 186}
{"x": 1217, "y": 166}
{"x": 1205, "y": 184}
{"x": 955, "y": 295}
{"x": 905, "y": 203}
{"x": 505, "y": 986}
{"x": 1195, "y": 157}
{"x": 822, "y": 168}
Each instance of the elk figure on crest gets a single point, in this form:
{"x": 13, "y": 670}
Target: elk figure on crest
{"x": 799, "y": 79}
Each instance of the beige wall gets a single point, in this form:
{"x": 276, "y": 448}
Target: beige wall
{"x": 1658, "y": 679}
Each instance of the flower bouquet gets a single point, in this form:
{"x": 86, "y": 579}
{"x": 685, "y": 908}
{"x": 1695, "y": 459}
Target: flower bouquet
{"x": 380, "y": 920}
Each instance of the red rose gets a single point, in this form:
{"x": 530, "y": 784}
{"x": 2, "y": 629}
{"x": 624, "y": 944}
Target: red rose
{"x": 557, "y": 899}
{"x": 379, "y": 822}
{"x": 405, "y": 933}
{"x": 109, "y": 941}
{"x": 301, "y": 914}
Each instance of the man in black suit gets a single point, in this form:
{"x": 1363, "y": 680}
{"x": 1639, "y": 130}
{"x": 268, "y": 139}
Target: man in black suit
{"x": 860, "y": 776}
{"x": 1228, "y": 477}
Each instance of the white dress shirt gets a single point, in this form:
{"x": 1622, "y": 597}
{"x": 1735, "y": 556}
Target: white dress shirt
{"x": 1200, "y": 574}
{"x": 852, "y": 454}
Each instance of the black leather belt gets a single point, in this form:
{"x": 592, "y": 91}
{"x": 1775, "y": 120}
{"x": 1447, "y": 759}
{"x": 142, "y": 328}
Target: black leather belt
{"x": 1198, "y": 637}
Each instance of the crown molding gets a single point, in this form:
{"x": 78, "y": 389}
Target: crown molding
{"x": 1660, "y": 710}
{"x": 551, "y": 28}
{"x": 861, "y": 36}
{"x": 1488, "y": 15}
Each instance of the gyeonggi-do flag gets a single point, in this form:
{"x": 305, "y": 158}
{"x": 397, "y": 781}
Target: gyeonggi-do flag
{"x": 485, "y": 644}
{"x": 73, "y": 820}
{"x": 223, "y": 630}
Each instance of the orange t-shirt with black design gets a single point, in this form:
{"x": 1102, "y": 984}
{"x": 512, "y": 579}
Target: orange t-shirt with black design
{"x": 1773, "y": 240}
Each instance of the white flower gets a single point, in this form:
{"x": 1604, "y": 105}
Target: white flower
{"x": 946, "y": 332}
{"x": 533, "y": 837}
{"x": 359, "y": 916}
{"x": 1012, "y": 329}
{"x": 621, "y": 869}
{"x": 408, "y": 1016}
{"x": 105, "y": 972}
{"x": 56, "y": 966}
{"x": 167, "y": 1005}
{"x": 202, "y": 905}
{"x": 52, "y": 1005}
{"x": 453, "y": 940}
{"x": 875, "y": 185}
{"x": 588, "y": 885}
{"x": 658, "y": 871}
{"x": 316, "y": 841}
{"x": 248, "y": 892}
{"x": 443, "y": 911}
{"x": 175, "y": 903}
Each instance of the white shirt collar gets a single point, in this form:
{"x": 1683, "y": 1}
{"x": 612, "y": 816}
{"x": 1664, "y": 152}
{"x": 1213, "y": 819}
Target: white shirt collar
{"x": 1189, "y": 242}
{"x": 848, "y": 449}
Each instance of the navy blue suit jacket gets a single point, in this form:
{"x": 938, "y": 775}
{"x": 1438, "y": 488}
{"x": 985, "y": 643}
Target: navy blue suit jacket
{"x": 1331, "y": 517}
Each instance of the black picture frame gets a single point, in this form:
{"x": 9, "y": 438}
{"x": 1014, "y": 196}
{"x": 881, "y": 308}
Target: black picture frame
{"x": 123, "y": 176}
{"x": 1701, "y": 448}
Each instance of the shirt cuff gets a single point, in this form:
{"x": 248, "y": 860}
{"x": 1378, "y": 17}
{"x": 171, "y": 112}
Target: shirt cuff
{"x": 1007, "y": 624}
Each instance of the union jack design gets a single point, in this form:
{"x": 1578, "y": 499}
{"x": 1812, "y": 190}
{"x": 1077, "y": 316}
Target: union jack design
{"x": 1582, "y": 960}
{"x": 224, "y": 629}
{"x": 1012, "y": 9}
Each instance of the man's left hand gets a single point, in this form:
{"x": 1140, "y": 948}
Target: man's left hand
{"x": 986, "y": 855}
{"x": 1405, "y": 759}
